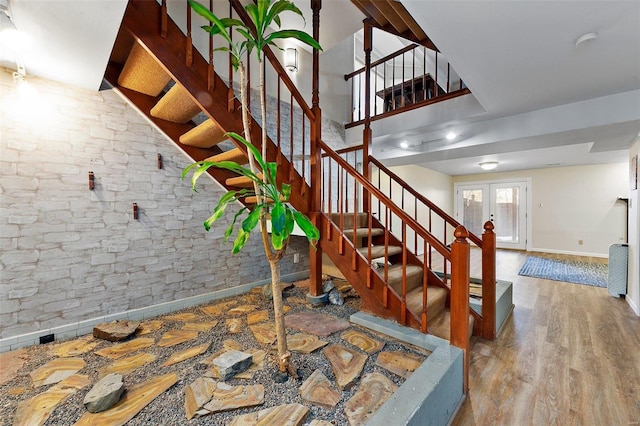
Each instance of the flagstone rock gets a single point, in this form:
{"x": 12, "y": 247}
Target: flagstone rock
{"x": 116, "y": 330}
{"x": 264, "y": 333}
{"x": 122, "y": 349}
{"x": 234, "y": 325}
{"x": 149, "y": 327}
{"x": 183, "y": 317}
{"x": 104, "y": 394}
{"x": 56, "y": 370}
{"x": 362, "y": 341}
{"x": 401, "y": 363}
{"x": 135, "y": 399}
{"x": 75, "y": 347}
{"x": 304, "y": 343}
{"x": 257, "y": 317}
{"x": 200, "y": 326}
{"x": 186, "y": 354}
{"x": 288, "y": 414}
{"x": 286, "y": 309}
{"x": 374, "y": 390}
{"x": 296, "y": 300}
{"x": 197, "y": 394}
{"x": 258, "y": 364}
{"x": 241, "y": 310}
{"x": 175, "y": 337}
{"x": 35, "y": 411}
{"x": 230, "y": 344}
{"x": 317, "y": 422}
{"x": 218, "y": 309}
{"x": 346, "y": 364}
{"x": 10, "y": 363}
{"x": 317, "y": 389}
{"x": 227, "y": 398}
{"x": 316, "y": 323}
{"x": 127, "y": 365}
{"x": 267, "y": 289}
{"x": 231, "y": 363}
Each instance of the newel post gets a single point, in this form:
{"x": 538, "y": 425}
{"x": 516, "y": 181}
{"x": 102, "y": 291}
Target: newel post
{"x": 489, "y": 282}
{"x": 315, "y": 254}
{"x": 460, "y": 296}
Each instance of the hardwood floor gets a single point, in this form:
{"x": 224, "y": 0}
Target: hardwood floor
{"x": 568, "y": 355}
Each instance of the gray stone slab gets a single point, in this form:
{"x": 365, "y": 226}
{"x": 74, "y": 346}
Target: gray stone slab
{"x": 231, "y": 363}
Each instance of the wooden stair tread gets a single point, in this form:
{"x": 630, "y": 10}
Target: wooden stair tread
{"x": 379, "y": 251}
{"x": 363, "y": 232}
{"x": 414, "y": 277}
{"x": 142, "y": 73}
{"x": 176, "y": 106}
{"x": 436, "y": 301}
{"x": 441, "y": 325}
{"x": 235, "y": 154}
{"x": 205, "y": 135}
{"x": 241, "y": 181}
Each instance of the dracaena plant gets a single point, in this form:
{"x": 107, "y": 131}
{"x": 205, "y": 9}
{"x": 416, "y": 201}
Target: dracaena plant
{"x": 272, "y": 199}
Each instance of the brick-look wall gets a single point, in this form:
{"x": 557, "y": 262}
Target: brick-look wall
{"x": 68, "y": 254}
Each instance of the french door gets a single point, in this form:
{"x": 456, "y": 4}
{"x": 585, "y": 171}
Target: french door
{"x": 503, "y": 203}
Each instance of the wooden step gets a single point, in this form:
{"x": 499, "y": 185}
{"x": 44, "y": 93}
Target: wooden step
{"x": 440, "y": 325}
{"x": 362, "y": 220}
{"x": 379, "y": 251}
{"x": 436, "y": 301}
{"x": 253, "y": 199}
{"x": 176, "y": 106}
{"x": 143, "y": 73}
{"x": 414, "y": 277}
{"x": 235, "y": 155}
{"x": 363, "y": 232}
{"x": 205, "y": 135}
{"x": 241, "y": 181}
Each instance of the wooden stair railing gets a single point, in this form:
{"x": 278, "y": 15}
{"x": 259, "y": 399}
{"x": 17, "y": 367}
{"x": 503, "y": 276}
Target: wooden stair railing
{"x": 399, "y": 284}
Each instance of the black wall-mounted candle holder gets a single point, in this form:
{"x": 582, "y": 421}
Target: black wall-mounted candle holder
{"x": 159, "y": 161}
{"x": 92, "y": 181}
{"x": 135, "y": 211}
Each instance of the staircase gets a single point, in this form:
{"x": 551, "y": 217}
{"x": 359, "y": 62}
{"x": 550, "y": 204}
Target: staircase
{"x": 386, "y": 254}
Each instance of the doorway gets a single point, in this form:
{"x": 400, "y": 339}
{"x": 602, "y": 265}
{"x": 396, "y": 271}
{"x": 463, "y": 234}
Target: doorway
{"x": 503, "y": 203}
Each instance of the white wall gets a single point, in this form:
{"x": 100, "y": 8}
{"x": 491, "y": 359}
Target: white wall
{"x": 633, "y": 288}
{"x": 335, "y": 95}
{"x": 571, "y": 204}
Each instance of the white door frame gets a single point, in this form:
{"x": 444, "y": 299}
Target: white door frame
{"x": 529, "y": 198}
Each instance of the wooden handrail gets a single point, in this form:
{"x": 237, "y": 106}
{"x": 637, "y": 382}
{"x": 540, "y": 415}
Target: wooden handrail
{"x": 402, "y": 215}
{"x": 383, "y": 60}
{"x": 450, "y": 220}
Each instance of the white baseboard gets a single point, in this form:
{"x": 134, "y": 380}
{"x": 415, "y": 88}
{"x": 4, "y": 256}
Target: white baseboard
{"x": 81, "y": 328}
{"x": 573, "y": 253}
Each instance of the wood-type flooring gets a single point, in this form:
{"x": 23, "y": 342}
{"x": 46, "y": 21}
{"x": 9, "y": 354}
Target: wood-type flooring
{"x": 568, "y": 355}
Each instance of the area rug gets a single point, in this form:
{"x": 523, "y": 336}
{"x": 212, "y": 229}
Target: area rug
{"x": 594, "y": 274}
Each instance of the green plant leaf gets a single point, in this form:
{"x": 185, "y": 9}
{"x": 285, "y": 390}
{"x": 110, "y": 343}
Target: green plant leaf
{"x": 240, "y": 241}
{"x": 286, "y": 191}
{"x": 289, "y": 223}
{"x": 281, "y": 6}
{"x": 229, "y": 230}
{"x": 252, "y": 220}
{"x": 211, "y": 17}
{"x": 312, "y": 233}
{"x": 278, "y": 217}
{"x": 277, "y": 240}
{"x": 295, "y": 34}
{"x": 272, "y": 172}
{"x": 250, "y": 147}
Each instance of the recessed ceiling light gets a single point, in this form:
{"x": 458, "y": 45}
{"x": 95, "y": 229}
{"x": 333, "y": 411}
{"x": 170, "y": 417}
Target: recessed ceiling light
{"x": 404, "y": 144}
{"x": 451, "y": 136}
{"x": 488, "y": 165}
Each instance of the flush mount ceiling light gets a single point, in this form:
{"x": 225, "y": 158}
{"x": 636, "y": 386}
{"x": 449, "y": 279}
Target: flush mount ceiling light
{"x": 586, "y": 39}
{"x": 404, "y": 144}
{"x": 488, "y": 165}
{"x": 451, "y": 136}
{"x": 291, "y": 59}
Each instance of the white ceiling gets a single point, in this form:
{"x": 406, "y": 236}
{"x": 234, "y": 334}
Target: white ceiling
{"x": 537, "y": 98}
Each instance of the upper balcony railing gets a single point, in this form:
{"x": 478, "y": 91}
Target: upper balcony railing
{"x": 409, "y": 78}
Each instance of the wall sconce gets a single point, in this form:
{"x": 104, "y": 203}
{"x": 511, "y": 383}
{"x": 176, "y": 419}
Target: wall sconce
{"x": 10, "y": 36}
{"x": 135, "y": 211}
{"x": 159, "y": 161}
{"x": 291, "y": 59}
{"x": 92, "y": 181}
{"x": 488, "y": 165}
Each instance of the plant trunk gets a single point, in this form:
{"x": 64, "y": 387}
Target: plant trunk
{"x": 263, "y": 113}
{"x": 283, "y": 354}
{"x": 246, "y": 124}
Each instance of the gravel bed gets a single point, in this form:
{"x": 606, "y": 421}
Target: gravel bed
{"x": 168, "y": 408}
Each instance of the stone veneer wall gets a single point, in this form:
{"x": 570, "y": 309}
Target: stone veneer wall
{"x": 68, "y": 254}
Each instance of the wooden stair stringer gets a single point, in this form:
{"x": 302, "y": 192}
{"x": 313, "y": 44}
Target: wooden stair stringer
{"x": 141, "y": 21}
{"x": 372, "y": 298}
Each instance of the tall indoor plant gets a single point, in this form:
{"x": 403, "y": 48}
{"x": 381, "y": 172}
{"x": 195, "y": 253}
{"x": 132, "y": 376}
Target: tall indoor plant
{"x": 271, "y": 198}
